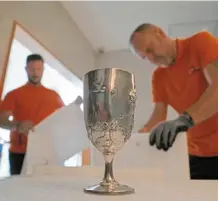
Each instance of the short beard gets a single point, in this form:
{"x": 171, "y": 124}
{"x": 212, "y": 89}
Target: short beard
{"x": 34, "y": 83}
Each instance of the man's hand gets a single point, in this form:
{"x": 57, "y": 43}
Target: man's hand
{"x": 24, "y": 127}
{"x": 143, "y": 130}
{"x": 165, "y": 133}
{"x": 78, "y": 100}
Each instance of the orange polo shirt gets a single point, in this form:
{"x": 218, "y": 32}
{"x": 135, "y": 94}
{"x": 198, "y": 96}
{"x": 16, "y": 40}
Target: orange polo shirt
{"x": 182, "y": 84}
{"x": 29, "y": 102}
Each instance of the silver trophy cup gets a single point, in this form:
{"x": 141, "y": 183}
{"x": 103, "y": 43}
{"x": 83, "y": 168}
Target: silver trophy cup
{"x": 109, "y": 104}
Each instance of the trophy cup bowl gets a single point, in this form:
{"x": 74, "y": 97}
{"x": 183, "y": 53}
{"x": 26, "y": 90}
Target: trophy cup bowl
{"x": 109, "y": 103}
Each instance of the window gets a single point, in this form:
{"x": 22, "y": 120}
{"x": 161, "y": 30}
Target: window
{"x": 16, "y": 76}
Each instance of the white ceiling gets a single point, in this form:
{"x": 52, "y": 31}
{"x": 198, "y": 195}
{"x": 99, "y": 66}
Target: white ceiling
{"x": 108, "y": 24}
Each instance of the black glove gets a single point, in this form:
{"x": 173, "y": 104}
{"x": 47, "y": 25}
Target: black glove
{"x": 164, "y": 134}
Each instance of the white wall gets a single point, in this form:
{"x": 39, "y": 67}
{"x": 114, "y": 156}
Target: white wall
{"x": 142, "y": 70}
{"x": 50, "y": 23}
{"x": 186, "y": 29}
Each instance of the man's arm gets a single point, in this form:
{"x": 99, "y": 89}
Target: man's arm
{"x": 164, "y": 134}
{"x": 5, "y": 122}
{"x": 159, "y": 114}
{"x": 205, "y": 47}
{"x": 207, "y": 105}
{"x": 159, "y": 98}
{"x": 7, "y": 107}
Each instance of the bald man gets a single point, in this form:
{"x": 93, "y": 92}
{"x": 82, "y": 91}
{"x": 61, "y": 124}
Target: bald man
{"x": 185, "y": 79}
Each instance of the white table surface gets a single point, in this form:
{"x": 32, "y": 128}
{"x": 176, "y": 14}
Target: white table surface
{"x": 68, "y": 188}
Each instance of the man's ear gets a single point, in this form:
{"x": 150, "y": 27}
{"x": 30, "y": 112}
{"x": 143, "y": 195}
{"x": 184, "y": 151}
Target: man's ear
{"x": 160, "y": 33}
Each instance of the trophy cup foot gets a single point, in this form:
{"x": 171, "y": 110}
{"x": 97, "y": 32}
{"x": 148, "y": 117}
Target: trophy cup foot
{"x": 114, "y": 189}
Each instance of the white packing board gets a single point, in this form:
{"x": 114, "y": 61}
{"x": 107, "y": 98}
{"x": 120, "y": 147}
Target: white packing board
{"x": 57, "y": 138}
{"x": 137, "y": 153}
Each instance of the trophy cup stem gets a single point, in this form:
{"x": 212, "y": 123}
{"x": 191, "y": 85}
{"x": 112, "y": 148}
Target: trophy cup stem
{"x": 109, "y": 185}
{"x": 108, "y": 174}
